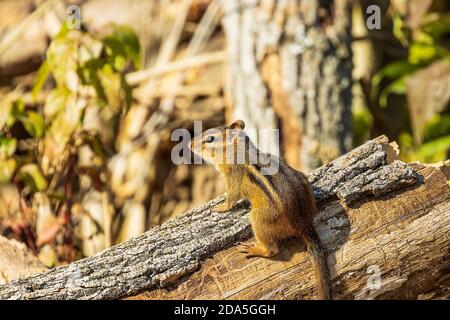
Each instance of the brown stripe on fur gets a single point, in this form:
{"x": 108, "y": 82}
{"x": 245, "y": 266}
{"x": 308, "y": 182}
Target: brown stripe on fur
{"x": 261, "y": 185}
{"x": 268, "y": 177}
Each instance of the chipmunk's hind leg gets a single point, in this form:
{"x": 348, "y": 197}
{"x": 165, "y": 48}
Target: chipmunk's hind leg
{"x": 266, "y": 245}
{"x": 266, "y": 240}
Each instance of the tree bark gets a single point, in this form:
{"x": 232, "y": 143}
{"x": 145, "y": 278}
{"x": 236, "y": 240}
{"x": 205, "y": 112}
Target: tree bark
{"x": 291, "y": 61}
{"x": 392, "y": 247}
{"x": 377, "y": 215}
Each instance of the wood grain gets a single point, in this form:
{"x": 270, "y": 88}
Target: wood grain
{"x": 403, "y": 234}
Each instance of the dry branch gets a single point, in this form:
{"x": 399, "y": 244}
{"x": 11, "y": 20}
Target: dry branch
{"x": 373, "y": 212}
{"x": 200, "y": 60}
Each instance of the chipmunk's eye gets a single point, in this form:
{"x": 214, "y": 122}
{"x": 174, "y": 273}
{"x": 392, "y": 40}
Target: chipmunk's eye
{"x": 210, "y": 139}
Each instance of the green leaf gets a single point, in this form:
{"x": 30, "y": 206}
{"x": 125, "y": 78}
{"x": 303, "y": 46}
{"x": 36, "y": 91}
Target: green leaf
{"x": 17, "y": 111}
{"x": 116, "y": 53}
{"x": 111, "y": 84}
{"x": 361, "y": 123}
{"x": 423, "y": 37}
{"x": 62, "y": 55}
{"x": 55, "y": 102}
{"x": 63, "y": 31}
{"x": 32, "y": 177}
{"x": 7, "y": 168}
{"x": 41, "y": 78}
{"x": 422, "y": 53}
{"x": 89, "y": 76}
{"x": 406, "y": 140}
{"x": 7, "y": 147}
{"x": 18, "y": 108}
{"x": 89, "y": 69}
{"x": 33, "y": 123}
{"x": 399, "y": 30}
{"x": 435, "y": 150}
{"x": 439, "y": 27}
{"x": 5, "y": 110}
{"x": 123, "y": 46}
{"x": 10, "y": 110}
{"x": 396, "y": 87}
{"x": 394, "y": 70}
{"x": 437, "y": 127}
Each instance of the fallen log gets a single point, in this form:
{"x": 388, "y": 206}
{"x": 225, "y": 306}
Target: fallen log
{"x": 384, "y": 223}
{"x": 17, "y": 261}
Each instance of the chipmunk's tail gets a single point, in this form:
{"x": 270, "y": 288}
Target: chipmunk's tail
{"x": 320, "y": 265}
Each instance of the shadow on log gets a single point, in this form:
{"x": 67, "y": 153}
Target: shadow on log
{"x": 385, "y": 225}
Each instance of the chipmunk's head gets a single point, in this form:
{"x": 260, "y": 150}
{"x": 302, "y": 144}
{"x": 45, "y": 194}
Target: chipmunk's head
{"x": 213, "y": 144}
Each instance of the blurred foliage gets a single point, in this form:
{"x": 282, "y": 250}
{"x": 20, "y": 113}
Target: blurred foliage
{"x": 436, "y": 142}
{"x": 13, "y": 113}
{"x": 427, "y": 138}
{"x": 40, "y": 147}
{"x": 423, "y": 48}
{"x": 76, "y": 62}
{"x": 362, "y": 122}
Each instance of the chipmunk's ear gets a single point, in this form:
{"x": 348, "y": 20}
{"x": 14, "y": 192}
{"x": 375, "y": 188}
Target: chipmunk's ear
{"x": 238, "y": 124}
{"x": 235, "y": 130}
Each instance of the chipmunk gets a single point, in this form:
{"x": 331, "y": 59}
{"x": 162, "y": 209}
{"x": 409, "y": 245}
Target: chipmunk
{"x": 282, "y": 204}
